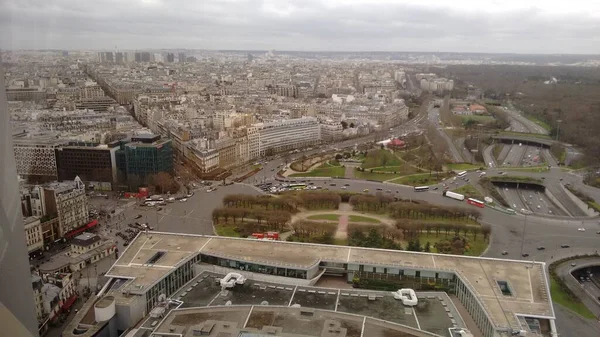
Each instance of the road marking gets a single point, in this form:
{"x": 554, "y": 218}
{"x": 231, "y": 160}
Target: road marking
{"x": 292, "y": 298}
{"x": 530, "y": 284}
{"x": 139, "y": 250}
{"x": 362, "y": 331}
{"x": 204, "y": 244}
{"x": 416, "y": 319}
{"x": 337, "y": 300}
{"x": 348, "y": 257}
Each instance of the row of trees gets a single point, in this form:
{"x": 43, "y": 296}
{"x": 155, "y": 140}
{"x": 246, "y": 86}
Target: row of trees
{"x": 287, "y": 202}
{"x": 412, "y": 229}
{"x": 273, "y": 219}
{"x": 320, "y": 199}
{"x": 313, "y": 231}
{"x": 403, "y": 209}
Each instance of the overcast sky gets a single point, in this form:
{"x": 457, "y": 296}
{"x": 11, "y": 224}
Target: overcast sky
{"x": 521, "y": 26}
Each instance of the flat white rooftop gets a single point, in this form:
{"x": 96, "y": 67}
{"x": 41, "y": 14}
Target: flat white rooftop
{"x": 527, "y": 280}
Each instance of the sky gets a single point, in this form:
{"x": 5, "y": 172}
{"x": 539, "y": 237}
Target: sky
{"x": 488, "y": 26}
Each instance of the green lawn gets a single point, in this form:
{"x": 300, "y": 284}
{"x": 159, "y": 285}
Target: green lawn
{"x": 224, "y": 230}
{"x": 375, "y": 176}
{"x": 563, "y": 299}
{"x": 329, "y": 217}
{"x": 469, "y": 191}
{"x": 376, "y": 158}
{"x": 462, "y": 167}
{"x": 360, "y": 218}
{"x": 323, "y": 171}
{"x": 476, "y": 247}
{"x": 419, "y": 180}
{"x": 405, "y": 169}
{"x": 334, "y": 162}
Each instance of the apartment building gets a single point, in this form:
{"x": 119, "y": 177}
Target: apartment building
{"x": 33, "y": 234}
{"x": 66, "y": 200}
{"x": 145, "y": 155}
{"x": 282, "y": 135}
{"x": 331, "y": 130}
{"x": 53, "y": 295}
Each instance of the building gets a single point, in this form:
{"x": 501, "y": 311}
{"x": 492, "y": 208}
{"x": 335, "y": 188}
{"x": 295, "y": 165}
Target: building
{"x": 53, "y": 294}
{"x": 181, "y": 57}
{"x": 33, "y": 235}
{"x": 68, "y": 202}
{"x": 500, "y": 295}
{"x": 87, "y": 249}
{"x": 227, "y": 152}
{"x": 36, "y": 157}
{"x": 331, "y": 131}
{"x": 272, "y": 137}
{"x": 18, "y": 314}
{"x": 93, "y": 163}
{"x": 27, "y": 94}
{"x": 144, "y": 155}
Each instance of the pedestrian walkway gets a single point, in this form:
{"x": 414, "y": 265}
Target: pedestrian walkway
{"x": 342, "y": 230}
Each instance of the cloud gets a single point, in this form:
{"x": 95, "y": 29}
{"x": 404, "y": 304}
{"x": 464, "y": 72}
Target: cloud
{"x": 427, "y": 25}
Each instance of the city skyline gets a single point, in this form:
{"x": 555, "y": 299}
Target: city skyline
{"x": 430, "y": 26}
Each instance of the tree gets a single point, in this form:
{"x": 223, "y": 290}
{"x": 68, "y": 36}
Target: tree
{"x": 352, "y": 125}
{"x": 443, "y": 247}
{"x": 427, "y": 248}
{"x": 344, "y": 125}
{"x": 338, "y": 157}
{"x": 163, "y": 182}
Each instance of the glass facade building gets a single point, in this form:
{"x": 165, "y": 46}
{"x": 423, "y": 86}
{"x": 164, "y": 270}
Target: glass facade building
{"x": 145, "y": 156}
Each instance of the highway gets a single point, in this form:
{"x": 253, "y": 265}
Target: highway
{"x": 434, "y": 118}
{"x": 528, "y": 125}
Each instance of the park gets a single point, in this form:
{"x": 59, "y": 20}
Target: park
{"x": 354, "y": 219}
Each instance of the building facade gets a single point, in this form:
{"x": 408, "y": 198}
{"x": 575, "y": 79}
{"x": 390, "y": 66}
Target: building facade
{"x": 282, "y": 135}
{"x": 33, "y": 234}
{"x": 68, "y": 202}
{"x": 36, "y": 158}
{"x": 89, "y": 163}
{"x": 145, "y": 155}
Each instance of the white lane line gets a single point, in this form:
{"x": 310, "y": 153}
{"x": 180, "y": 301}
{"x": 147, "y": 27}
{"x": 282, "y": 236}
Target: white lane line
{"x": 416, "y": 319}
{"x": 530, "y": 284}
{"x": 247, "y": 318}
{"x": 292, "y": 298}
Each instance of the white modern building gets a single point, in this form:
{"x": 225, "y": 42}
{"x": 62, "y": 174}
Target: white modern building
{"x": 501, "y": 296}
{"x": 282, "y": 135}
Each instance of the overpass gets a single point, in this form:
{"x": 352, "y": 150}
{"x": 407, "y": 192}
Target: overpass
{"x": 525, "y": 139}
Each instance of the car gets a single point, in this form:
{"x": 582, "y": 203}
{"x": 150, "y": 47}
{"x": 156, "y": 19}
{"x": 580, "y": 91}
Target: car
{"x": 598, "y": 232}
{"x": 380, "y": 189}
{"x": 564, "y": 246}
{"x": 366, "y": 190}
{"x": 138, "y": 216}
{"x": 331, "y": 184}
{"x": 525, "y": 255}
{"x": 541, "y": 248}
{"x": 435, "y": 188}
{"x": 344, "y": 187}
{"x": 504, "y": 252}
{"x": 573, "y": 264}
{"x": 581, "y": 229}
{"x": 346, "y": 184}
{"x": 183, "y": 200}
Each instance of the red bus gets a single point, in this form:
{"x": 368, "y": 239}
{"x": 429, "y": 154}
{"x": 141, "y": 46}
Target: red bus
{"x": 475, "y": 202}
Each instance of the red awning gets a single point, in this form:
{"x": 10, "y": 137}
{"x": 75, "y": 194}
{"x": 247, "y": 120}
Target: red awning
{"x": 69, "y": 302}
{"x": 81, "y": 229}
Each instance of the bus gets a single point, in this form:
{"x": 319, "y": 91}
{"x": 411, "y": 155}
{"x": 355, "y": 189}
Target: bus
{"x": 421, "y": 188}
{"x": 453, "y": 195}
{"x": 475, "y": 202}
{"x": 461, "y": 174}
{"x": 299, "y": 186}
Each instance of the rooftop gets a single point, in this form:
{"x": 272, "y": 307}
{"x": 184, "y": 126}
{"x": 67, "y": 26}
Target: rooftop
{"x": 527, "y": 280}
{"x": 257, "y": 321}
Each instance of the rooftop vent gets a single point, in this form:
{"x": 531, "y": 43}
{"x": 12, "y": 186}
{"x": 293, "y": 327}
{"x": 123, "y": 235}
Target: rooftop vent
{"x": 504, "y": 288}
